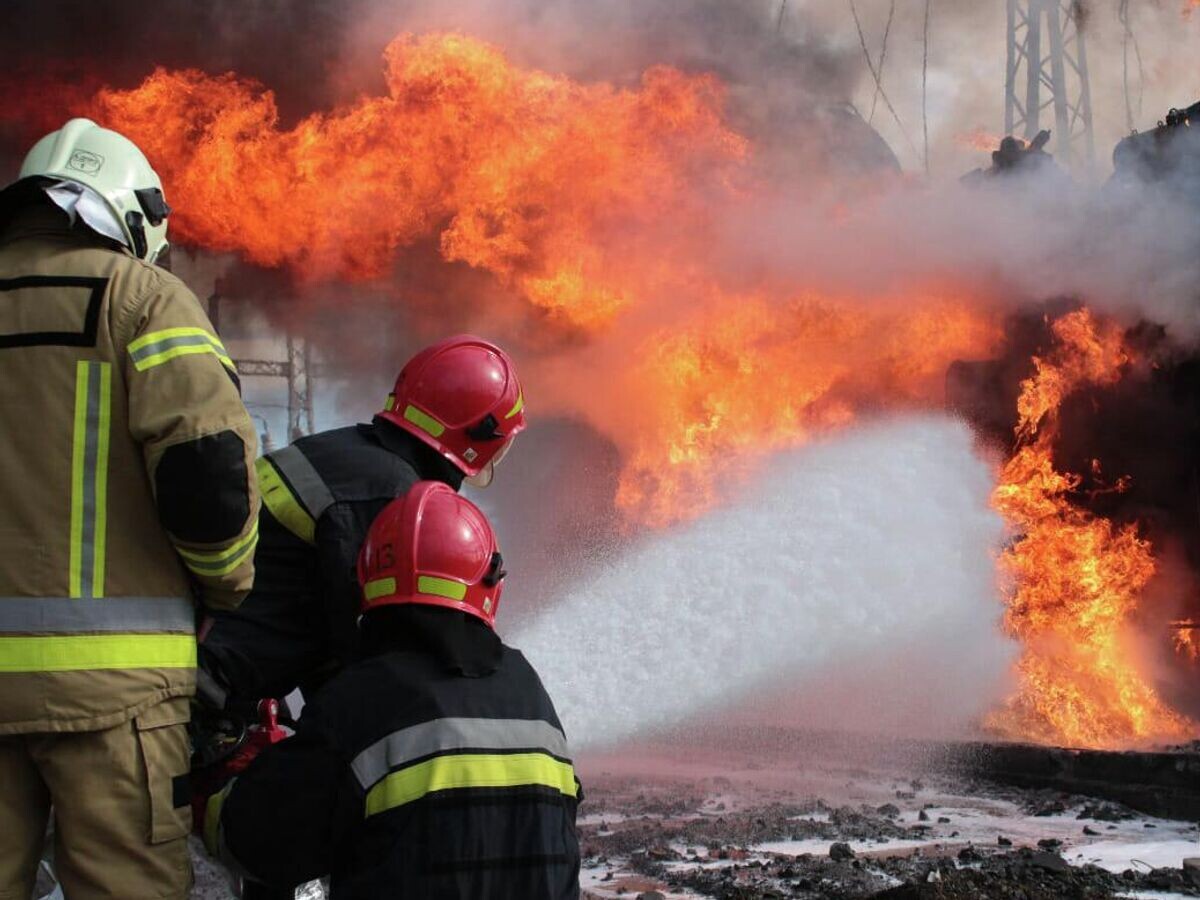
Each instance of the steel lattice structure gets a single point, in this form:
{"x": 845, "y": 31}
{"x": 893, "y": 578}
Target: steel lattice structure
{"x": 1047, "y": 67}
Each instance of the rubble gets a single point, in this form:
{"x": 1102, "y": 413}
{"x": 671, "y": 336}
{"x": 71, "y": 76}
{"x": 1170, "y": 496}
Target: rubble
{"x": 753, "y": 838}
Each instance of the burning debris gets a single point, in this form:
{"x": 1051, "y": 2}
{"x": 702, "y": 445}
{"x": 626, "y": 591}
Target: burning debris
{"x": 1077, "y": 577}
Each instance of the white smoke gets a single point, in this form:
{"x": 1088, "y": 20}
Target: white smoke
{"x": 872, "y": 552}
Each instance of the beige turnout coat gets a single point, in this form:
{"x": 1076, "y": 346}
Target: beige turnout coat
{"x": 127, "y": 490}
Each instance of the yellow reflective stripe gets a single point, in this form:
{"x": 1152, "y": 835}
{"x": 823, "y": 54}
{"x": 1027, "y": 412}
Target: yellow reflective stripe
{"x": 78, "y": 447}
{"x": 390, "y": 403}
{"x": 441, "y": 587}
{"x": 89, "y": 479}
{"x": 166, "y": 334}
{"x": 517, "y": 407}
{"x": 424, "y": 421}
{"x": 283, "y": 505}
{"x": 470, "y": 770}
{"x": 158, "y": 359}
{"x": 158, "y": 347}
{"x": 220, "y": 562}
{"x": 100, "y": 545}
{"x": 212, "y": 819}
{"x": 80, "y": 652}
{"x": 380, "y": 587}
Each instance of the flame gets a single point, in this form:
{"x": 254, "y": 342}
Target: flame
{"x": 1076, "y": 577}
{"x": 1187, "y": 639}
{"x": 523, "y": 174}
{"x": 978, "y": 139}
{"x": 756, "y": 377}
{"x": 553, "y": 187}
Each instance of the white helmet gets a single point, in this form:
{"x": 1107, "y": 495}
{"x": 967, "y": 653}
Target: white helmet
{"x": 112, "y": 166}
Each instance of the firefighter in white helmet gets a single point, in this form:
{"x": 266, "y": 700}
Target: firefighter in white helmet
{"x": 127, "y": 495}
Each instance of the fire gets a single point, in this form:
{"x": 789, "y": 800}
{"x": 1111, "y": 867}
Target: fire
{"x": 1187, "y": 640}
{"x": 757, "y": 377}
{"x": 590, "y": 203}
{"x": 529, "y": 176}
{"x": 978, "y": 139}
{"x": 586, "y": 200}
{"x": 1076, "y": 578}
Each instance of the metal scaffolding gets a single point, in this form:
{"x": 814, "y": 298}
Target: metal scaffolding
{"x": 298, "y": 369}
{"x": 1062, "y": 71}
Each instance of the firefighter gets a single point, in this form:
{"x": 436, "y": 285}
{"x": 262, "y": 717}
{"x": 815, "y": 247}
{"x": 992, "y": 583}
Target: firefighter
{"x": 435, "y": 765}
{"x": 454, "y": 411}
{"x": 127, "y": 494}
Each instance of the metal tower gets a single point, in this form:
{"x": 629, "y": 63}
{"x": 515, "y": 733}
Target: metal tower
{"x": 298, "y": 369}
{"x": 1046, "y": 49}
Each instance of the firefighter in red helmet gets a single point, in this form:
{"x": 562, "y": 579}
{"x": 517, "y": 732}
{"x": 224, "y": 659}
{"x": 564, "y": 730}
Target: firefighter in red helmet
{"x": 452, "y": 415}
{"x": 434, "y": 766}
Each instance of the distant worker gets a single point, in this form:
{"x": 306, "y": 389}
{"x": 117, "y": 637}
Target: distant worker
{"x": 433, "y": 767}
{"x": 127, "y": 494}
{"x": 1015, "y": 157}
{"x": 453, "y": 414}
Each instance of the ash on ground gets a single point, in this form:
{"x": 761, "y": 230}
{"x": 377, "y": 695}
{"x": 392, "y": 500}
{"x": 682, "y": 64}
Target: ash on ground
{"x": 660, "y": 827}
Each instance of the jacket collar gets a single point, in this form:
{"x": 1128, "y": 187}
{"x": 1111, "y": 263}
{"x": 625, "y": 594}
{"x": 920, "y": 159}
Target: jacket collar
{"x": 430, "y": 465}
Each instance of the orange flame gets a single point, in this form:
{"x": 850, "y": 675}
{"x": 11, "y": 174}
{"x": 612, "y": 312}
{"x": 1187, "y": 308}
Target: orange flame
{"x": 1076, "y": 577}
{"x": 1187, "y": 639}
{"x": 520, "y": 173}
{"x": 755, "y": 378}
{"x": 978, "y": 139}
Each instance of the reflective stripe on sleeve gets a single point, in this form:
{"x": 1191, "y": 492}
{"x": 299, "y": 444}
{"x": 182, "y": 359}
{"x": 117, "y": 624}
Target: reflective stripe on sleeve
{"x": 440, "y": 735}
{"x": 220, "y": 562}
{"x": 293, "y": 491}
{"x": 213, "y": 807}
{"x": 66, "y": 615}
{"x": 158, "y": 347}
{"x": 89, "y": 479}
{"x": 470, "y": 770}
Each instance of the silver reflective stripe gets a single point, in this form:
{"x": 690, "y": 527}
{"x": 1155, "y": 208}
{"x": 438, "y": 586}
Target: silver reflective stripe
{"x": 89, "y": 479}
{"x": 417, "y": 741}
{"x": 305, "y": 482}
{"x": 187, "y": 340}
{"x": 68, "y": 615}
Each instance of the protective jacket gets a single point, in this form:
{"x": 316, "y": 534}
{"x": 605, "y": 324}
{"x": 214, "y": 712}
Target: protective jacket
{"x": 407, "y": 779}
{"x": 126, "y": 487}
{"x": 320, "y": 496}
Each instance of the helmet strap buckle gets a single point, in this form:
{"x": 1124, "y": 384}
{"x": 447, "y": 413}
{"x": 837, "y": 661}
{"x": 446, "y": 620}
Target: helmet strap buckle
{"x": 486, "y": 430}
{"x": 495, "y": 573}
{"x": 133, "y": 221}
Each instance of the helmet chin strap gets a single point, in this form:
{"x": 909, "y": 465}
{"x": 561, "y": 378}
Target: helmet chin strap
{"x": 488, "y": 472}
{"x": 484, "y": 476}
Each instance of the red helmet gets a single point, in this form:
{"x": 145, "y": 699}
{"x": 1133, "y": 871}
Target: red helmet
{"x": 434, "y": 547}
{"x": 461, "y": 397}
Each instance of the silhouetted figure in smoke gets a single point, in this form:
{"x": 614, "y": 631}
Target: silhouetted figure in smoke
{"x": 1015, "y": 157}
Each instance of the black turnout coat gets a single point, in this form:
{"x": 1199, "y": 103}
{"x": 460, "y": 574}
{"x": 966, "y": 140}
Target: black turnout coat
{"x": 408, "y": 779}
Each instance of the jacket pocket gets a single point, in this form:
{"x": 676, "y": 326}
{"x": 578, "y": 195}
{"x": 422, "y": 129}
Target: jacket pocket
{"x": 162, "y": 736}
